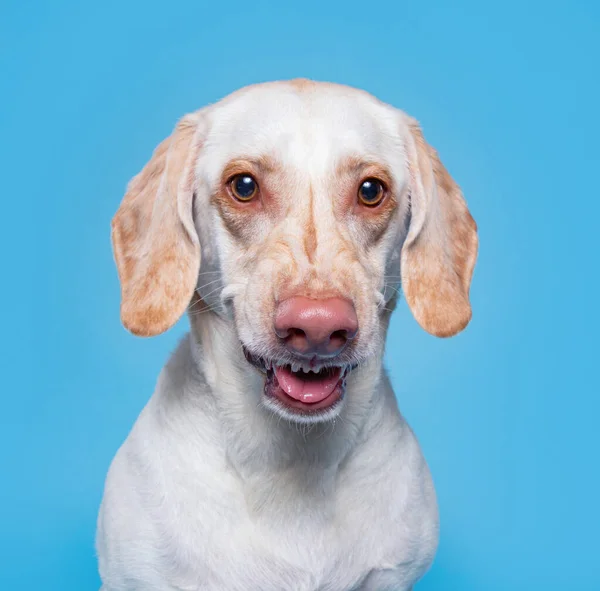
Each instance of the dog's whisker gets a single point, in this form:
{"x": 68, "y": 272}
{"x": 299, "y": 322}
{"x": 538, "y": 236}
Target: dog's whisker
{"x": 206, "y": 295}
{"x": 396, "y": 289}
{"x": 196, "y": 313}
{"x": 209, "y": 273}
{"x": 205, "y": 285}
{"x": 218, "y": 288}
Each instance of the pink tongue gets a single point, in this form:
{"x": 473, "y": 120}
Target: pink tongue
{"x": 307, "y": 389}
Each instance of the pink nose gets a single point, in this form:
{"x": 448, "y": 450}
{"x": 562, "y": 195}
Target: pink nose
{"x": 316, "y": 327}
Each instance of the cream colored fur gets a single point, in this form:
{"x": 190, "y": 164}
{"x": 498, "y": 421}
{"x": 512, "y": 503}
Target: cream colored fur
{"x": 216, "y": 488}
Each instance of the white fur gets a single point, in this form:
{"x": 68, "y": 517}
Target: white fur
{"x": 214, "y": 491}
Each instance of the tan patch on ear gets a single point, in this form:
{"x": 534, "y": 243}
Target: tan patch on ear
{"x": 155, "y": 244}
{"x": 439, "y": 257}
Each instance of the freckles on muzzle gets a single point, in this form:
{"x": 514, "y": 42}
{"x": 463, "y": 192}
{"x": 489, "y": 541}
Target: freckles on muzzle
{"x": 306, "y": 329}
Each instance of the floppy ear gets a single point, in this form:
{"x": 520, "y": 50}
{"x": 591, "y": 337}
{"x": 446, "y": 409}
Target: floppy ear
{"x": 155, "y": 243}
{"x": 440, "y": 249}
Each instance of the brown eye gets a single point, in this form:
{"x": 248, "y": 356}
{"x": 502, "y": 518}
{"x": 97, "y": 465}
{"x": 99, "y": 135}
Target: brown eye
{"x": 243, "y": 187}
{"x": 371, "y": 192}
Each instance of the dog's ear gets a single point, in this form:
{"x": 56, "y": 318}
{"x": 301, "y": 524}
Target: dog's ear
{"x": 439, "y": 253}
{"x": 155, "y": 243}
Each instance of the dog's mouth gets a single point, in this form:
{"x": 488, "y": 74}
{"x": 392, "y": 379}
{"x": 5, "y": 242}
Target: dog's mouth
{"x": 303, "y": 387}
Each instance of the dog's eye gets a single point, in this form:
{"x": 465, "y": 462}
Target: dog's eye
{"x": 371, "y": 192}
{"x": 243, "y": 187}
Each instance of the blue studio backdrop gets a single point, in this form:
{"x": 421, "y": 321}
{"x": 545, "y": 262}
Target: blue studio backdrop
{"x": 507, "y": 412}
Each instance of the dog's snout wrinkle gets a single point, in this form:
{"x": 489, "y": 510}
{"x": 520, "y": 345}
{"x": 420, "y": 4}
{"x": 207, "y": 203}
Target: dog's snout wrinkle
{"x": 316, "y": 326}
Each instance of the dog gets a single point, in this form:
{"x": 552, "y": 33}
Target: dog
{"x": 285, "y": 219}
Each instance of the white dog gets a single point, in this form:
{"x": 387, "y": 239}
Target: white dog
{"x": 272, "y": 455}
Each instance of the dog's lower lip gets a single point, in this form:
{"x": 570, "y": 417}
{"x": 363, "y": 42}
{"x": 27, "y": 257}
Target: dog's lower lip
{"x": 333, "y": 395}
{"x": 327, "y": 393}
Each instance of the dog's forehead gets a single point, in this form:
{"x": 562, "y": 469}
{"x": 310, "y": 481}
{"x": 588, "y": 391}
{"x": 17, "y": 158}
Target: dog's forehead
{"x": 307, "y": 128}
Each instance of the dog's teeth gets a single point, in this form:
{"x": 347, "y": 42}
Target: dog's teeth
{"x": 267, "y": 364}
{"x": 305, "y": 368}
{"x": 295, "y": 367}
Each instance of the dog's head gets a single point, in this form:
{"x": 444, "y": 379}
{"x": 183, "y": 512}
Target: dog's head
{"x": 297, "y": 209}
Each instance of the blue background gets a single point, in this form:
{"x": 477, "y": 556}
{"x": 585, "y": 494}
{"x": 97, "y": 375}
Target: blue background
{"x": 507, "y": 412}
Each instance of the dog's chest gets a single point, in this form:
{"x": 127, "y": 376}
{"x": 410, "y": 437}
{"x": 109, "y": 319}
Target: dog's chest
{"x": 280, "y": 535}
{"x": 324, "y": 547}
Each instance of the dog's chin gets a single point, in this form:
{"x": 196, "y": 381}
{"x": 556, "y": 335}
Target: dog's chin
{"x": 302, "y": 392}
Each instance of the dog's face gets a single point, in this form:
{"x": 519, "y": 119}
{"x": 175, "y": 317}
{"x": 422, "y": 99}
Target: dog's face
{"x": 297, "y": 209}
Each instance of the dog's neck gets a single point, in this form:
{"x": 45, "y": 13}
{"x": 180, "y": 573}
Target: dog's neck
{"x": 259, "y": 445}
